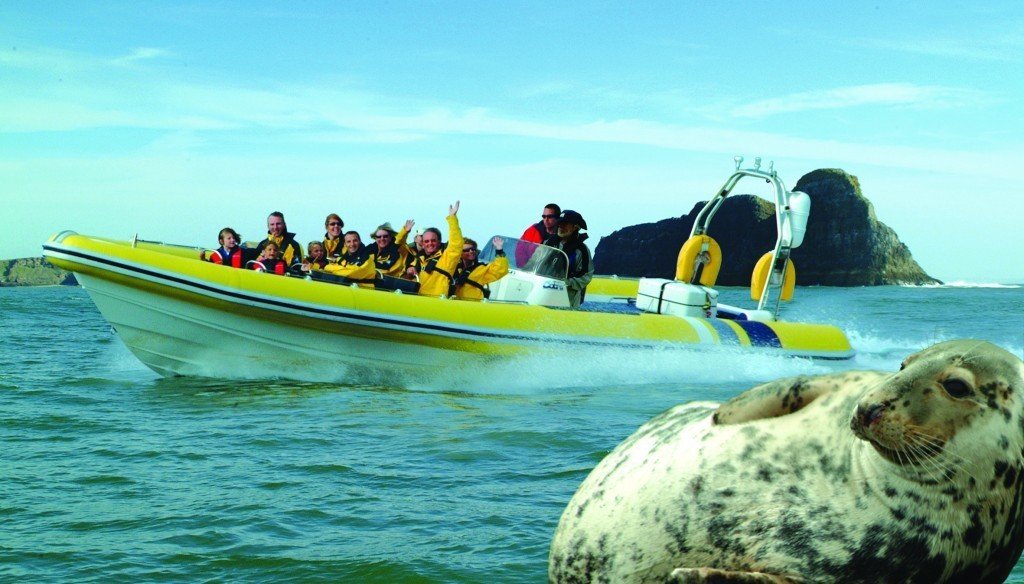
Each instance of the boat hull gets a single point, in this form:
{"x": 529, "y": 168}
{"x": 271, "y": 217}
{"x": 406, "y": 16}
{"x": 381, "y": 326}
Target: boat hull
{"x": 182, "y": 316}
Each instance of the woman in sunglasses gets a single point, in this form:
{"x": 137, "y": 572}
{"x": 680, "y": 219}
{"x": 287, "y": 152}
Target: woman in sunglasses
{"x": 472, "y": 276}
{"x": 390, "y": 250}
{"x": 334, "y": 242}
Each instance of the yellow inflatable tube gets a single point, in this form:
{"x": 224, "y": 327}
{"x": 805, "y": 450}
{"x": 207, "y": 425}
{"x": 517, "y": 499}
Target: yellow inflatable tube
{"x": 690, "y": 253}
{"x": 760, "y": 277}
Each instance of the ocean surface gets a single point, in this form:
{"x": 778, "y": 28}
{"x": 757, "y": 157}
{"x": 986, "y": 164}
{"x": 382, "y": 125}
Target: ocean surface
{"x": 111, "y": 473}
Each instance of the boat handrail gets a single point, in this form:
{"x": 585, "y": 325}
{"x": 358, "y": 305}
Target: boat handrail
{"x": 135, "y": 240}
{"x": 784, "y": 221}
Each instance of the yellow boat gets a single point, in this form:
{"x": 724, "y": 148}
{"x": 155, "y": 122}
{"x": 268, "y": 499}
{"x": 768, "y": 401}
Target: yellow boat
{"x": 183, "y": 316}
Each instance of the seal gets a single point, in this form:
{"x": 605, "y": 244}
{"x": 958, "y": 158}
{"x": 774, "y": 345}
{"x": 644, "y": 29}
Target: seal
{"x": 914, "y": 476}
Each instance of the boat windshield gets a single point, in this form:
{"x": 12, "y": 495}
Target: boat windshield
{"x": 527, "y": 256}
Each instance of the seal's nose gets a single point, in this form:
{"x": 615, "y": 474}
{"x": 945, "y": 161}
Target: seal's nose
{"x": 870, "y": 414}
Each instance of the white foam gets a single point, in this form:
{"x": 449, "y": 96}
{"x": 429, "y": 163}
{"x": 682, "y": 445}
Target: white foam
{"x": 965, "y": 284}
{"x": 586, "y": 368}
{"x": 886, "y": 353}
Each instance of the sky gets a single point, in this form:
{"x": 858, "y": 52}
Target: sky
{"x": 171, "y": 119}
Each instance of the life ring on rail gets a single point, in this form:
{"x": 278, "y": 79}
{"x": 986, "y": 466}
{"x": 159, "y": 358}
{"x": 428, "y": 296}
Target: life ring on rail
{"x": 699, "y": 261}
{"x": 760, "y": 276}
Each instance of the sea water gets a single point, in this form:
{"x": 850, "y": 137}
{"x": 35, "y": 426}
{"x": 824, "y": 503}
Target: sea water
{"x": 109, "y": 472}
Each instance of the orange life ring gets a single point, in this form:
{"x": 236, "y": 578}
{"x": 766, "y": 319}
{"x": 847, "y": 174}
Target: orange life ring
{"x": 686, "y": 264}
{"x": 760, "y": 276}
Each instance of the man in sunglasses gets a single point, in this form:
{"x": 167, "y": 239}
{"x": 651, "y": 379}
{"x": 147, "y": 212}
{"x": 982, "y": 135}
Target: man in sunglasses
{"x": 538, "y": 233}
{"x": 435, "y": 268}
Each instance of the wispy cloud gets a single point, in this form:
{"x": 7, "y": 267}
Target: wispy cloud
{"x": 142, "y": 54}
{"x": 878, "y": 94}
{"x": 332, "y": 112}
{"x": 982, "y": 47}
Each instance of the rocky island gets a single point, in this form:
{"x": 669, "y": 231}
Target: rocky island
{"x": 845, "y": 244}
{"x": 33, "y": 272}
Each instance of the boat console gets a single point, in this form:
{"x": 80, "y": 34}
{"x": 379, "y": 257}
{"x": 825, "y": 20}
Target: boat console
{"x": 536, "y": 274}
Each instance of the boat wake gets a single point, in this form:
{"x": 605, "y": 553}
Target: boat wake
{"x": 575, "y": 370}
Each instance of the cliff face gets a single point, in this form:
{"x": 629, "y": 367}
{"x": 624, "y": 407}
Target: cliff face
{"x": 33, "y": 272}
{"x": 845, "y": 244}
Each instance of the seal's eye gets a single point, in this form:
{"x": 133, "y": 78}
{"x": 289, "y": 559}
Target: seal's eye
{"x": 956, "y": 388}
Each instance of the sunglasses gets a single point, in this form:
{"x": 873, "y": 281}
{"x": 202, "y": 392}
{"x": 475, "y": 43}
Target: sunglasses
{"x": 549, "y": 216}
{"x": 334, "y": 224}
{"x": 382, "y": 236}
{"x": 465, "y": 249}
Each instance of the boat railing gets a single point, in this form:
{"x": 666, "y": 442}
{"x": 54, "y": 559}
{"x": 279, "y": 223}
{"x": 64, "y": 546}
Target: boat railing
{"x": 791, "y": 211}
{"x": 135, "y": 241}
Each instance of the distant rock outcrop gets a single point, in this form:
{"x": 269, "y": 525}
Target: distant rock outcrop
{"x": 33, "y": 272}
{"x": 845, "y": 244}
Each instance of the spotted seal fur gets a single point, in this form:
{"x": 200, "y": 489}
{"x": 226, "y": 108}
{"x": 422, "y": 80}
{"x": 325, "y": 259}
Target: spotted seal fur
{"x": 914, "y": 476}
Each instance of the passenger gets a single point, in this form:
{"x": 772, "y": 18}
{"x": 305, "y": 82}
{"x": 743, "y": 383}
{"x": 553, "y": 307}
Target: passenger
{"x": 435, "y": 268}
{"x": 356, "y": 264}
{"x": 472, "y": 276}
{"x": 230, "y": 252}
{"x": 355, "y": 251}
{"x": 390, "y": 251}
{"x": 334, "y": 242}
{"x": 269, "y": 260}
{"x": 538, "y": 233}
{"x": 570, "y": 241}
{"x": 418, "y": 241}
{"x": 545, "y": 228}
{"x": 277, "y": 232}
{"x": 315, "y": 260}
{"x": 415, "y": 251}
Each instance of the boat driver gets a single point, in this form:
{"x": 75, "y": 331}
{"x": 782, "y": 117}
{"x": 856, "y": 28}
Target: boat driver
{"x": 581, "y": 266}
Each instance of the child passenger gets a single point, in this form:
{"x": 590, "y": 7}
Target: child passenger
{"x": 317, "y": 259}
{"x": 269, "y": 260}
{"x": 230, "y": 252}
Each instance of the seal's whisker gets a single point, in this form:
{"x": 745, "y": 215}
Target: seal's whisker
{"x": 931, "y": 467}
{"x": 970, "y": 354}
{"x": 913, "y": 458}
{"x": 917, "y": 456}
{"x": 936, "y": 442}
{"x": 949, "y": 459}
{"x": 899, "y": 455}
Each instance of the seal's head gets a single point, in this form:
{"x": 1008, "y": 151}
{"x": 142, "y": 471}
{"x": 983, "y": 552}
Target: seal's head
{"x": 960, "y": 395}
